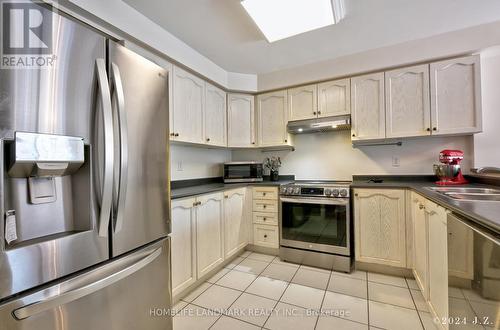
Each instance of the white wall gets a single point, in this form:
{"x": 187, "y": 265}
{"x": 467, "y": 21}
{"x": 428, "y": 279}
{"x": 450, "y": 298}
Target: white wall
{"x": 487, "y": 144}
{"x": 187, "y": 162}
{"x": 330, "y": 156}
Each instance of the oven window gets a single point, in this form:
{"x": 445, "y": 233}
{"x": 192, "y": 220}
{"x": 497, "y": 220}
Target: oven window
{"x": 314, "y": 223}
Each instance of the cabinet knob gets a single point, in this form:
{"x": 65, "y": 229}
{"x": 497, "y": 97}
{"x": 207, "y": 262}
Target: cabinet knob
{"x": 176, "y": 134}
{"x": 353, "y": 134}
{"x": 264, "y": 206}
{"x": 356, "y": 194}
{"x": 428, "y": 129}
{"x": 434, "y": 128}
{"x": 265, "y": 236}
{"x": 226, "y": 196}
{"x": 172, "y": 134}
{"x": 264, "y": 219}
{"x": 421, "y": 206}
{"x": 208, "y": 139}
{"x": 319, "y": 112}
{"x": 263, "y": 194}
{"x": 286, "y": 141}
{"x": 314, "y": 113}
{"x": 253, "y": 142}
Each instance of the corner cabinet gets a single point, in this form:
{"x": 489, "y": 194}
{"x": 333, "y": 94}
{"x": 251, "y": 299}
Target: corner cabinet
{"x": 183, "y": 244}
{"x": 236, "y": 217}
{"x": 188, "y": 107}
{"x": 456, "y": 96}
{"x": 209, "y": 232}
{"x": 407, "y": 102}
{"x": 302, "y": 102}
{"x": 334, "y": 98}
{"x": 368, "y": 107}
{"x": 215, "y": 116}
{"x": 380, "y": 226}
{"x": 240, "y": 121}
{"x": 272, "y": 114}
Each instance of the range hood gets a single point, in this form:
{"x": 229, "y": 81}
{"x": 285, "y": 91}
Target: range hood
{"x": 333, "y": 123}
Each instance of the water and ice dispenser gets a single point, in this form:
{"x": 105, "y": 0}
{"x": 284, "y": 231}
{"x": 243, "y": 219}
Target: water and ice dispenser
{"x": 46, "y": 187}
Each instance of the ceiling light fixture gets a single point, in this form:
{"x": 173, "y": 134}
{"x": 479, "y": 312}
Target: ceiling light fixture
{"x": 279, "y": 19}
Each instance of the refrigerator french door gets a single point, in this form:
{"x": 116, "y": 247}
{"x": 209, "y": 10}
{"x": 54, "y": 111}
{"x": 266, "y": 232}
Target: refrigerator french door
{"x": 84, "y": 191}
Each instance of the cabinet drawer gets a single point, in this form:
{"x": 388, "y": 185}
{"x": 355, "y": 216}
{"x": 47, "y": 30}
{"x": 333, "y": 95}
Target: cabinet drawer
{"x": 263, "y": 205}
{"x": 265, "y": 218}
{"x": 264, "y": 235}
{"x": 270, "y": 193}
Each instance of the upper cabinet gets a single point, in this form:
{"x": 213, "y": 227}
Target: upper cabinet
{"x": 215, "y": 116}
{"x": 456, "y": 96}
{"x": 334, "y": 98}
{"x": 302, "y": 102}
{"x": 368, "y": 107}
{"x": 240, "y": 121}
{"x": 407, "y": 102}
{"x": 272, "y": 113}
{"x": 189, "y": 101}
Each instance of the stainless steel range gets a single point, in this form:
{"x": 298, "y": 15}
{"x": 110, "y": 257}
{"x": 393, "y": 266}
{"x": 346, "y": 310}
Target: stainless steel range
{"x": 315, "y": 224}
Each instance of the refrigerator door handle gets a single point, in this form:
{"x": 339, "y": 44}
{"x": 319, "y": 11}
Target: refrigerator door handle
{"x": 121, "y": 191}
{"x": 84, "y": 290}
{"x": 106, "y": 184}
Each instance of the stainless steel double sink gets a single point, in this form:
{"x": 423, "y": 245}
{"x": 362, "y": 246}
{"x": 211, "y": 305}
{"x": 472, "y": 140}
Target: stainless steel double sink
{"x": 469, "y": 194}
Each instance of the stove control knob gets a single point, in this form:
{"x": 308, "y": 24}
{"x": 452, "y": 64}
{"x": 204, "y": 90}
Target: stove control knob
{"x": 335, "y": 192}
{"x": 296, "y": 190}
{"x": 289, "y": 190}
{"x": 328, "y": 192}
{"x": 343, "y": 192}
{"x": 283, "y": 190}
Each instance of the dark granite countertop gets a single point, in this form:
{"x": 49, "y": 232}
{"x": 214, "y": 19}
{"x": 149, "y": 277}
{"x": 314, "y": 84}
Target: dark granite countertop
{"x": 189, "y": 188}
{"x": 486, "y": 213}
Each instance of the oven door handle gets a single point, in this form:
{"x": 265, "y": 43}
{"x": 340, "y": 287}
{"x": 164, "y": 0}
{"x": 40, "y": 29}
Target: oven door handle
{"x": 327, "y": 201}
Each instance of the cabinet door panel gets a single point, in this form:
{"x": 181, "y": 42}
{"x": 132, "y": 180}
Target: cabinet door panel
{"x": 209, "y": 232}
{"x": 456, "y": 96}
{"x": 420, "y": 241}
{"x": 460, "y": 250}
{"x": 407, "y": 102}
{"x": 183, "y": 245}
{"x": 272, "y": 115}
{"x": 215, "y": 116}
{"x": 235, "y": 226}
{"x": 189, "y": 100}
{"x": 334, "y": 98}
{"x": 302, "y": 102}
{"x": 380, "y": 226}
{"x": 241, "y": 120}
{"x": 368, "y": 107}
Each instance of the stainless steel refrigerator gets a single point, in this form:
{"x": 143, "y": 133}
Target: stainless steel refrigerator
{"x": 84, "y": 191}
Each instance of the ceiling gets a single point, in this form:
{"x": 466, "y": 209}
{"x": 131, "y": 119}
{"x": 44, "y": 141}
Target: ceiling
{"x": 222, "y": 31}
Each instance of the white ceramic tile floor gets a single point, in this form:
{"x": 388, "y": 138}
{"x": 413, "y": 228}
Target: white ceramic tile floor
{"x": 260, "y": 293}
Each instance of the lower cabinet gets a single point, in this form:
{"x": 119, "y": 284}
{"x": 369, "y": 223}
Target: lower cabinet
{"x": 380, "y": 226}
{"x": 235, "y": 221}
{"x": 183, "y": 244}
{"x": 420, "y": 243}
{"x": 266, "y": 236}
{"x": 209, "y": 232}
{"x": 265, "y": 217}
{"x": 460, "y": 250}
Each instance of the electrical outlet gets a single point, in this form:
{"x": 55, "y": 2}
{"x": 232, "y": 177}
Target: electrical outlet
{"x": 395, "y": 161}
{"x": 179, "y": 166}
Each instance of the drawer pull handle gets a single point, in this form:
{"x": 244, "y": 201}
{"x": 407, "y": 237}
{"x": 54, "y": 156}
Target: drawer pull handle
{"x": 265, "y": 236}
{"x": 264, "y": 219}
{"x": 263, "y": 194}
{"x": 264, "y": 206}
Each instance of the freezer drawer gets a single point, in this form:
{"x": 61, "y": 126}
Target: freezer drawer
{"x": 132, "y": 292}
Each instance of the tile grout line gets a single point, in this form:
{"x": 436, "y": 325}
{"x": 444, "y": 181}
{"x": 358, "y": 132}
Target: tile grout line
{"x": 367, "y": 301}
{"x": 414, "y": 304}
{"x": 323, "y": 300}
{"x": 242, "y": 292}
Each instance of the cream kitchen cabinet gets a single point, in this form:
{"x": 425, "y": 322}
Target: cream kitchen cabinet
{"x": 456, "y": 96}
{"x": 368, "y": 107}
{"x": 209, "y": 232}
{"x": 240, "y": 121}
{"x": 460, "y": 250}
{"x": 420, "y": 243}
{"x": 183, "y": 244}
{"x": 334, "y": 98}
{"x": 437, "y": 260}
{"x": 215, "y": 116}
{"x": 265, "y": 217}
{"x": 235, "y": 221}
{"x": 407, "y": 102}
{"x": 380, "y": 226}
{"x": 302, "y": 102}
{"x": 272, "y": 114}
{"x": 188, "y": 112}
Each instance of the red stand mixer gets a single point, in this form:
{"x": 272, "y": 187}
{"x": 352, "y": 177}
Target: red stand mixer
{"x": 449, "y": 172}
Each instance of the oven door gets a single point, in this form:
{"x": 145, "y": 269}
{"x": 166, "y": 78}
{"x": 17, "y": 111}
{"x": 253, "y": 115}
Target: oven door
{"x": 317, "y": 224}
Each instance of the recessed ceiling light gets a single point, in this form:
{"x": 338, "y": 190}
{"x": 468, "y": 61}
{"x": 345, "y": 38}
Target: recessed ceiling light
{"x": 279, "y": 19}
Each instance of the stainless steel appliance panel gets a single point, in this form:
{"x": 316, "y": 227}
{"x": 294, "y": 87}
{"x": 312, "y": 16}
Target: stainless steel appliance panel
{"x": 132, "y": 292}
{"x": 473, "y": 275}
{"x": 250, "y": 171}
{"x": 57, "y": 99}
{"x": 140, "y": 108}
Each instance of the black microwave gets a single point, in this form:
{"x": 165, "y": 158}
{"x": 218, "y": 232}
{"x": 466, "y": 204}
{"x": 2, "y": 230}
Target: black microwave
{"x": 242, "y": 172}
